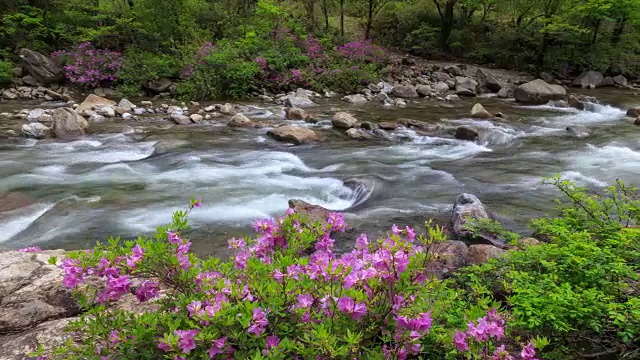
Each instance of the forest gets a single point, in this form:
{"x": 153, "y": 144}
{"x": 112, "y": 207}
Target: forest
{"x": 248, "y": 45}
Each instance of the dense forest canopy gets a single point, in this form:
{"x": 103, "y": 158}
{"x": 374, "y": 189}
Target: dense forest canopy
{"x": 563, "y": 37}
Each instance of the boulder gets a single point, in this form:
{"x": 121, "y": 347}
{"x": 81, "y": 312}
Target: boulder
{"x": 505, "y": 93}
{"x": 126, "y": 105}
{"x": 538, "y": 92}
{"x": 620, "y": 80}
{"x": 196, "y": 118}
{"x": 18, "y": 72}
{"x": 465, "y": 208}
{"x": 45, "y": 119}
{"x": 448, "y": 256}
{"x": 588, "y": 80}
{"x": 574, "y": 102}
{"x": 296, "y": 114}
{"x": 42, "y": 68}
{"x": 356, "y": 99}
{"x": 180, "y": 119}
{"x": 30, "y": 80}
{"x": 34, "y": 114}
{"x": 404, "y": 92}
{"x": 146, "y": 103}
{"x": 68, "y": 124}
{"x": 478, "y": 111}
{"x": 547, "y": 77}
{"x": 481, "y": 253}
{"x": 160, "y": 85}
{"x": 50, "y": 334}
{"x": 455, "y": 70}
{"x": 440, "y": 88}
{"x": 10, "y": 94}
{"x": 466, "y": 86}
{"x": 240, "y": 121}
{"x": 389, "y": 125}
{"x": 97, "y": 118}
{"x": 358, "y": 134}
{"x": 633, "y": 112}
{"x": 107, "y": 111}
{"x": 297, "y": 101}
{"x": 424, "y": 90}
{"x": 368, "y": 125}
{"x": 466, "y": 133}
{"x": 93, "y": 101}
{"x": 487, "y": 81}
{"x": 227, "y": 109}
{"x": 452, "y": 97}
{"x": 343, "y": 120}
{"x": 293, "y": 134}
{"x": 607, "y": 81}
{"x": 636, "y": 121}
{"x": 35, "y": 130}
{"x": 440, "y": 76}
{"x": 31, "y": 292}
{"x": 313, "y": 213}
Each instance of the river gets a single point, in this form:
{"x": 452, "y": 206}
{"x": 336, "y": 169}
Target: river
{"x": 128, "y": 177}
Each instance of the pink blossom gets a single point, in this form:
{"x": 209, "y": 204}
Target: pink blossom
{"x": 304, "y": 301}
{"x": 460, "y": 340}
{"x": 186, "y": 341}
{"x": 362, "y": 242}
{"x": 147, "y": 291}
{"x": 528, "y": 352}
{"x": 217, "y": 347}
{"x": 258, "y": 323}
{"x": 30, "y": 249}
{"x": 348, "y": 306}
{"x": 501, "y": 354}
{"x": 164, "y": 345}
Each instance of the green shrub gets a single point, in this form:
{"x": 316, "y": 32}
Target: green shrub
{"x": 142, "y": 67}
{"x": 6, "y": 72}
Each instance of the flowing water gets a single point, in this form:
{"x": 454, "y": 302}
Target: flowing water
{"x": 130, "y": 177}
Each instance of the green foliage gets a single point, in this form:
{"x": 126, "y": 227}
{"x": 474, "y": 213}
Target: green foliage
{"x": 6, "y": 72}
{"x": 479, "y": 227}
{"x": 142, "y": 67}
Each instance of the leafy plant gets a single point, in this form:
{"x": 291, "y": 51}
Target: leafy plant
{"x": 479, "y": 227}
{"x": 88, "y": 66}
{"x": 6, "y": 72}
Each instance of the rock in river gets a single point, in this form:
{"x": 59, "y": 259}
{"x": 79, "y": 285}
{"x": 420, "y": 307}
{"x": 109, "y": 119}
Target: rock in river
{"x": 68, "y": 124}
{"x": 343, "y": 120}
{"x": 404, "y": 91}
{"x": 478, "y": 111}
{"x": 468, "y": 207}
{"x": 35, "y": 130}
{"x": 94, "y": 101}
{"x": 538, "y": 92}
{"x": 293, "y": 134}
{"x": 359, "y": 134}
{"x": 240, "y": 121}
{"x": 466, "y": 133}
{"x": 588, "y": 80}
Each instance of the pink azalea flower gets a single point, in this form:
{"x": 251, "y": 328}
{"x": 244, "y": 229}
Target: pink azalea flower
{"x": 186, "y": 341}
{"x": 258, "y": 323}
{"x": 528, "y": 352}
{"x": 348, "y": 306}
{"x": 304, "y": 301}
{"x": 460, "y": 341}
{"x": 217, "y": 347}
{"x": 30, "y": 249}
{"x": 147, "y": 291}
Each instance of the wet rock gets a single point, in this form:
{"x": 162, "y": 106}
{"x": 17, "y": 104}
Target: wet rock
{"x": 636, "y": 121}
{"x": 42, "y": 68}
{"x": 478, "y": 111}
{"x": 465, "y": 208}
{"x": 146, "y": 103}
{"x": 448, "y": 256}
{"x": 481, "y": 253}
{"x": 297, "y": 101}
{"x": 400, "y": 102}
{"x": 35, "y": 130}
{"x": 10, "y": 94}
{"x": 343, "y": 120}
{"x": 440, "y": 88}
{"x": 620, "y": 80}
{"x": 452, "y": 97}
{"x": 50, "y": 334}
{"x": 313, "y": 213}
{"x": 424, "y": 90}
{"x": 196, "y": 118}
{"x": 126, "y": 105}
{"x": 96, "y": 118}
{"x": 538, "y": 92}
{"x": 368, "y": 125}
{"x": 466, "y": 86}
{"x": 68, "y": 124}
{"x": 107, "y": 111}
{"x": 31, "y": 291}
{"x": 296, "y": 114}
{"x": 14, "y": 200}
{"x": 633, "y": 112}
{"x": 355, "y": 99}
{"x": 382, "y": 97}
{"x": 588, "y": 79}
{"x": 466, "y": 133}
{"x": 404, "y": 92}
{"x": 127, "y": 116}
{"x": 505, "y": 93}
{"x": 293, "y": 134}
{"x": 389, "y": 125}
{"x": 486, "y": 80}
{"x": 139, "y": 111}
{"x": 547, "y": 77}
{"x": 180, "y": 119}
{"x": 240, "y": 121}
{"x": 93, "y": 101}
{"x": 574, "y": 102}
{"x": 381, "y": 134}
{"x": 358, "y": 134}
{"x": 160, "y": 85}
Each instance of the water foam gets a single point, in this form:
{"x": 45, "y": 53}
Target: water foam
{"x": 16, "y": 221}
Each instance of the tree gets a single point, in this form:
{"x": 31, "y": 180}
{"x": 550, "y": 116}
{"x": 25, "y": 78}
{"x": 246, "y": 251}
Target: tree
{"x": 447, "y": 20}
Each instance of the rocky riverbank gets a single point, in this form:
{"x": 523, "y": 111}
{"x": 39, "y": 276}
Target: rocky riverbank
{"x": 35, "y": 306}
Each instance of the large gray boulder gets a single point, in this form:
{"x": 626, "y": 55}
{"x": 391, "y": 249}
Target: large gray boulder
{"x": 68, "y": 124}
{"x": 93, "y": 102}
{"x": 620, "y": 80}
{"x": 240, "y": 121}
{"x": 297, "y": 101}
{"x": 404, "y": 92}
{"x": 466, "y": 86}
{"x": 160, "y": 85}
{"x": 293, "y": 134}
{"x": 43, "y": 69}
{"x": 479, "y": 112}
{"x": 538, "y": 92}
{"x": 440, "y": 88}
{"x": 588, "y": 80}
{"x": 35, "y": 130}
{"x": 487, "y": 81}
{"x": 466, "y": 208}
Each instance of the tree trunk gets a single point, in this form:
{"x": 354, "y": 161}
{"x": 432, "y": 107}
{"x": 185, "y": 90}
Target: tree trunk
{"x": 447, "y": 24}
{"x": 596, "y": 29}
{"x": 618, "y": 30}
{"x": 342, "y": 18}
{"x": 543, "y": 50}
{"x": 367, "y": 32}
{"x": 325, "y": 11}
{"x": 311, "y": 22}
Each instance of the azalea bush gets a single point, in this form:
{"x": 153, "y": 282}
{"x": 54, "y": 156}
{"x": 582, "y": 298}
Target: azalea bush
{"x": 283, "y": 294}
{"x": 88, "y": 66}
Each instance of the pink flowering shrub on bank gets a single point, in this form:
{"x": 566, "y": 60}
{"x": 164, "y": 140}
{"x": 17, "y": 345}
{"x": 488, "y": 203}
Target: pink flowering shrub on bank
{"x": 284, "y": 294}
{"x": 88, "y": 66}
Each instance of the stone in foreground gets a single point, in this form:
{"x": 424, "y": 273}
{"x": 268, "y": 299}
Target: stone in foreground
{"x": 478, "y": 111}
{"x": 68, "y": 124}
{"x": 343, "y": 120}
